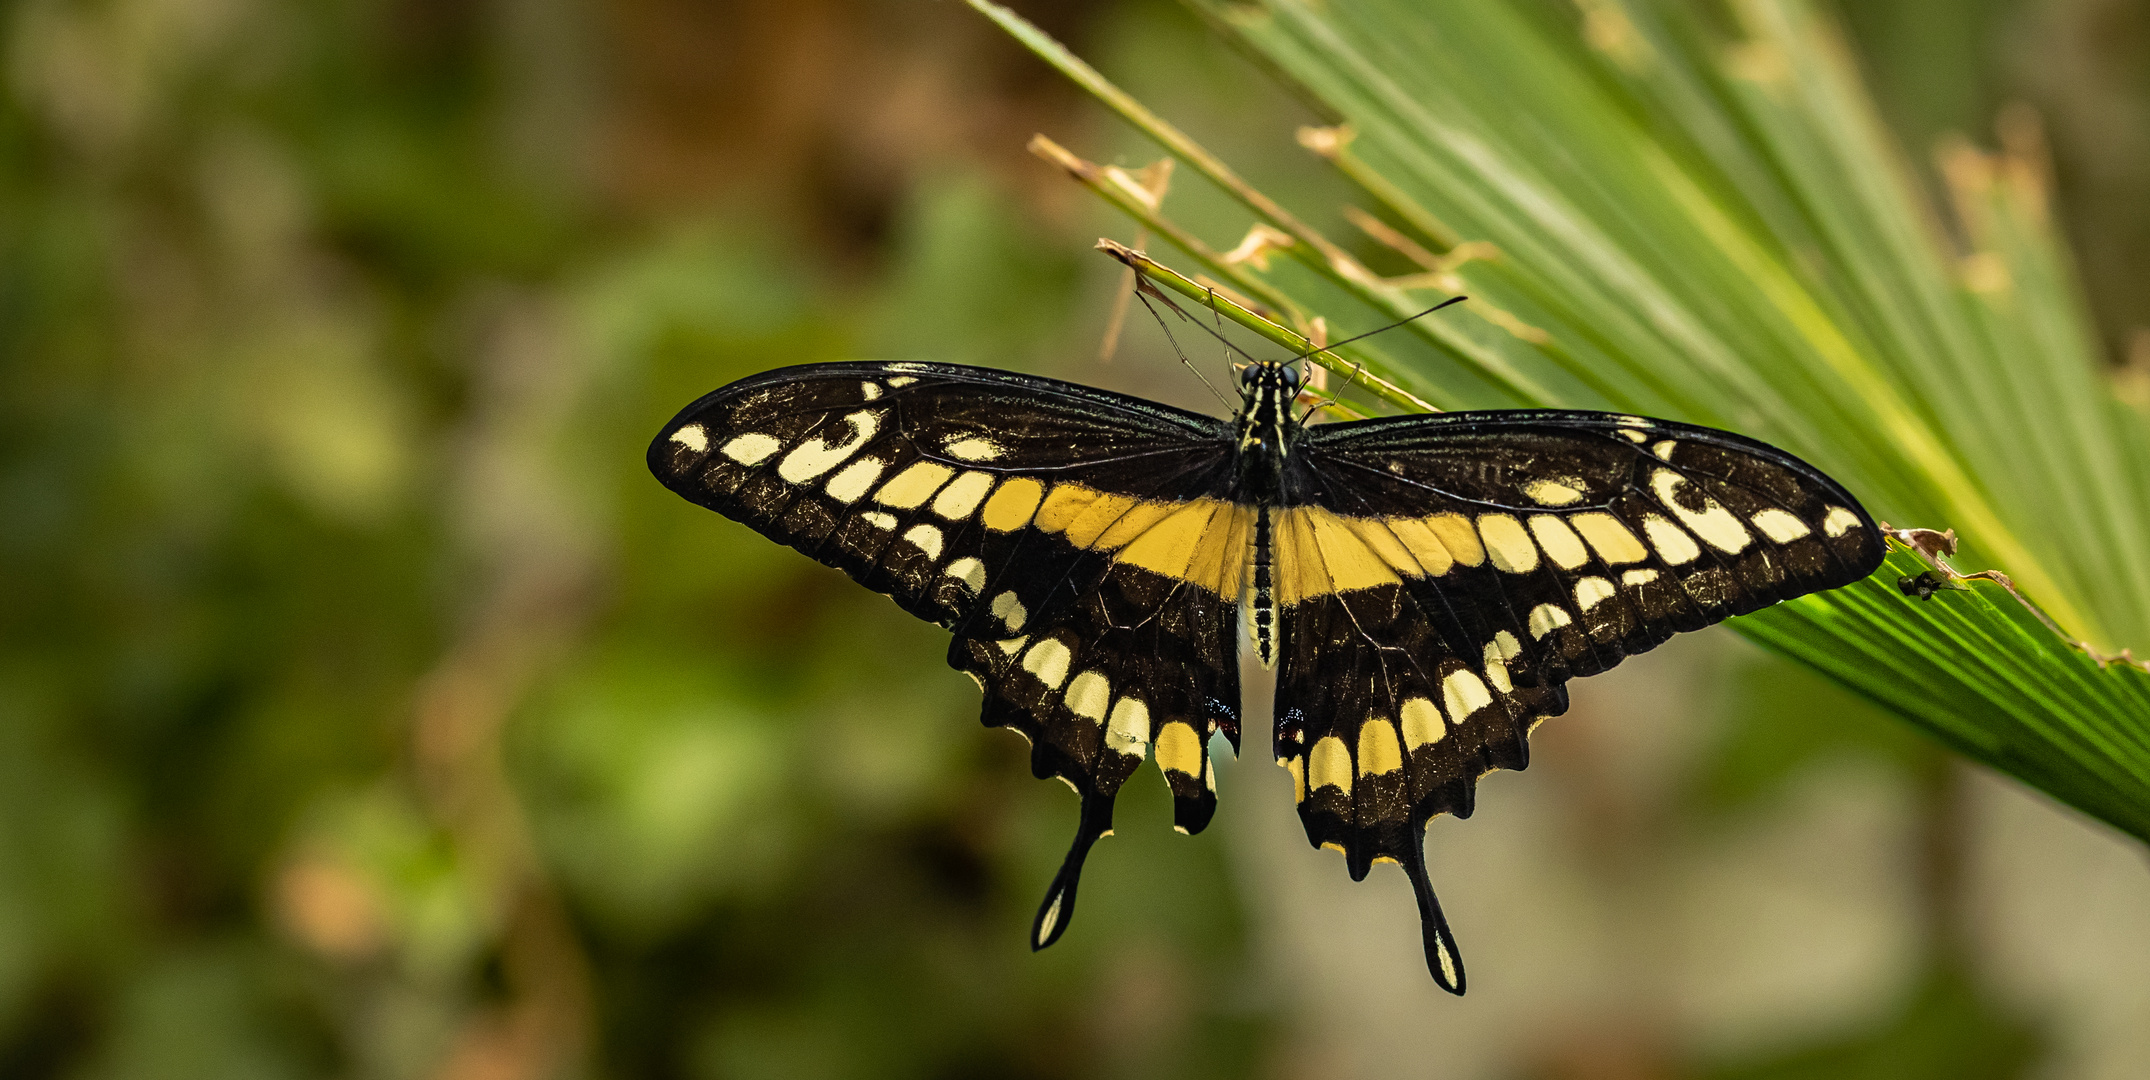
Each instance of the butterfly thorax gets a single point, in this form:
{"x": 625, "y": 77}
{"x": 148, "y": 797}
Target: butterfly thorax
{"x": 1267, "y": 430}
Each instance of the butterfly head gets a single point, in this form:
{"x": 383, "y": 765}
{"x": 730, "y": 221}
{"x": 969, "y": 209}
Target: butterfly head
{"x": 1277, "y": 381}
{"x": 1266, "y": 425}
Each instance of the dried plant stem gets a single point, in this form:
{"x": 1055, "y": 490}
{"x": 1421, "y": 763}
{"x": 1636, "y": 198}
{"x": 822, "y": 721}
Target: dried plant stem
{"x": 1123, "y": 193}
{"x": 1934, "y": 547}
{"x": 1327, "y": 257}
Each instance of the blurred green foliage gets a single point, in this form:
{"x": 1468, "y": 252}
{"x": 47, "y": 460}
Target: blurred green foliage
{"x": 364, "y": 708}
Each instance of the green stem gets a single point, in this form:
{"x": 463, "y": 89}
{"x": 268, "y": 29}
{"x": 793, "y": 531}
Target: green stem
{"x": 1329, "y": 260}
{"x": 1364, "y": 364}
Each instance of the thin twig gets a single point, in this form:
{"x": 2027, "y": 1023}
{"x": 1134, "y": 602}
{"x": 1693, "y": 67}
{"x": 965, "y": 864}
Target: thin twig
{"x": 1317, "y": 251}
{"x": 1153, "y": 271}
{"x": 1154, "y": 180}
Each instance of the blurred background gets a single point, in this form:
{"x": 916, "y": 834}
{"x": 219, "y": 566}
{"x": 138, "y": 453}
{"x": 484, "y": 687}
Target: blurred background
{"x": 367, "y": 711}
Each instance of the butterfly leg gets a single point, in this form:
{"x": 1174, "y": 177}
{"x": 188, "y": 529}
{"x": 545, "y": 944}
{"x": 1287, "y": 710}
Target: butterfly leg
{"x": 1443, "y": 958}
{"x": 1058, "y": 908}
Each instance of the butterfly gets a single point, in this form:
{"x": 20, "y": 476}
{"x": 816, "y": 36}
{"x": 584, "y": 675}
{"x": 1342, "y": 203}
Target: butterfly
{"x": 1422, "y": 586}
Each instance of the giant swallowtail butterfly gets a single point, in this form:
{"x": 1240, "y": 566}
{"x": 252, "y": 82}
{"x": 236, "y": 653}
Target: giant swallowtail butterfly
{"x": 1423, "y": 585}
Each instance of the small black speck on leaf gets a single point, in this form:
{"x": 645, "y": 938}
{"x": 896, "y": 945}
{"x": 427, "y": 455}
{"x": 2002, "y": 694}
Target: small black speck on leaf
{"x": 1922, "y": 586}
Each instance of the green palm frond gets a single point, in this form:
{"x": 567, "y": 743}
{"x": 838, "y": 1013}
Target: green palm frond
{"x": 1693, "y": 211}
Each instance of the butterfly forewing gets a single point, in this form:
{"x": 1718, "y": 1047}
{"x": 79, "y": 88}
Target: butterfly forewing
{"x": 1081, "y": 545}
{"x": 1457, "y": 570}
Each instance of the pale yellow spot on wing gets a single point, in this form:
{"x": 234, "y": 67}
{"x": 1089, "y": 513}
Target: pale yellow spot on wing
{"x": 1422, "y": 723}
{"x": 1609, "y": 538}
{"x": 1048, "y": 660}
{"x": 1329, "y": 552}
{"x": 1562, "y": 492}
{"x": 1592, "y": 591}
{"x": 1429, "y": 554}
{"x": 1546, "y": 618}
{"x": 1632, "y": 421}
{"x": 925, "y": 538}
{"x": 1497, "y": 668}
{"x": 1780, "y": 526}
{"x": 693, "y": 437}
{"x": 1129, "y": 729}
{"x": 970, "y": 572}
{"x": 869, "y": 391}
{"x": 1664, "y": 449}
{"x": 1052, "y": 912}
{"x": 854, "y": 480}
{"x": 975, "y": 449}
{"x": 1505, "y": 645}
{"x": 1839, "y": 521}
{"x": 1464, "y": 694}
{"x": 1202, "y": 541}
{"x": 1507, "y": 543}
{"x": 1713, "y": 522}
{"x": 1008, "y": 608}
{"x": 1635, "y": 436}
{"x": 1088, "y": 694}
{"x": 962, "y": 496}
{"x": 1011, "y": 507}
{"x": 1062, "y": 505}
{"x": 1378, "y": 752}
{"x": 817, "y": 455}
{"x": 901, "y": 381}
{"x": 1329, "y": 765}
{"x": 879, "y": 520}
{"x": 1638, "y": 577}
{"x": 1459, "y": 537}
{"x": 1013, "y": 645}
{"x": 1100, "y": 512}
{"x": 1169, "y": 545}
{"x": 911, "y": 488}
{"x": 1297, "y": 769}
{"x": 1219, "y": 561}
{"x": 1382, "y": 539}
{"x": 1560, "y": 542}
{"x": 752, "y": 448}
{"x": 1673, "y": 544}
{"x": 1133, "y": 521}
{"x": 1179, "y": 749}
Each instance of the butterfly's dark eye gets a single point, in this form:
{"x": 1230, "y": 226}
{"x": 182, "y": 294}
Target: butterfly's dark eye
{"x": 1291, "y": 379}
{"x": 1248, "y": 374}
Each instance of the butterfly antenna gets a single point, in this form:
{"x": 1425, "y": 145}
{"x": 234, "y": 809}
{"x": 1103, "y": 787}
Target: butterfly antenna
{"x": 1151, "y": 291}
{"x": 1143, "y": 290}
{"x": 1356, "y": 367}
{"x": 1381, "y": 329}
{"x": 1216, "y": 330}
{"x": 1360, "y": 365}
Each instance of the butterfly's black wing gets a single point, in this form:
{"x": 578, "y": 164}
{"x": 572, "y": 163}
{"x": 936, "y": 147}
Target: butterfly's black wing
{"x": 1079, "y": 543}
{"x": 1441, "y": 577}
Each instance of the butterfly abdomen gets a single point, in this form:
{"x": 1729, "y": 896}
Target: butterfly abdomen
{"x": 1258, "y": 601}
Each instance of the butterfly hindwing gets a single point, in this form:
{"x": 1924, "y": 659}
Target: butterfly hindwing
{"x": 1442, "y": 577}
{"x": 1078, "y": 543}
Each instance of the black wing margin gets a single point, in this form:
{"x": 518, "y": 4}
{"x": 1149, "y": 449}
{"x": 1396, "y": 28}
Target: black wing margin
{"x": 1444, "y": 576}
{"x": 1077, "y": 542}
